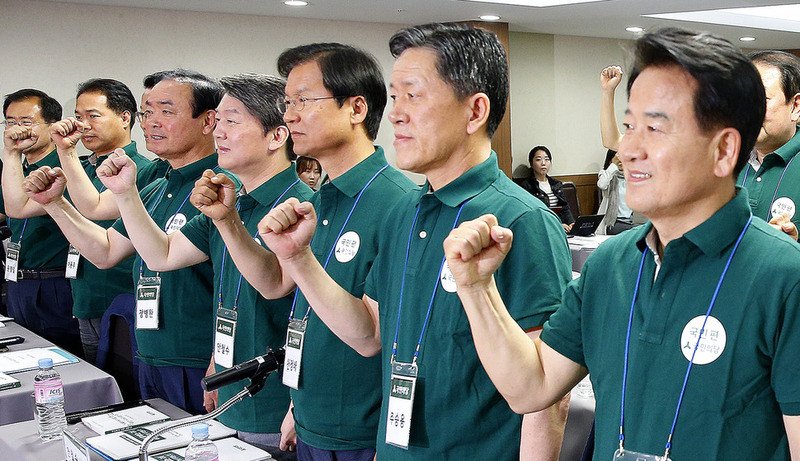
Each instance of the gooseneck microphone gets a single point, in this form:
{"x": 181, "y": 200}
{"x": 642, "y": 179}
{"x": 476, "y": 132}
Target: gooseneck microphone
{"x": 254, "y": 368}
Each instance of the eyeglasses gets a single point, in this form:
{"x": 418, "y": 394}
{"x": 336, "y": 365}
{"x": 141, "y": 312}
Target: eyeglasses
{"x": 298, "y": 104}
{"x": 27, "y": 123}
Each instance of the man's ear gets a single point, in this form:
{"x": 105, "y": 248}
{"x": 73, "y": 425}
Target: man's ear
{"x": 209, "y": 121}
{"x": 795, "y": 102}
{"x": 359, "y": 109}
{"x": 126, "y": 117}
{"x": 478, "y": 106}
{"x": 726, "y": 144}
{"x": 278, "y": 137}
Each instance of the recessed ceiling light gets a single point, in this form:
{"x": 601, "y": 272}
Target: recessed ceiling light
{"x": 536, "y": 3}
{"x": 634, "y": 29}
{"x": 490, "y": 17}
{"x": 295, "y": 3}
{"x": 747, "y": 39}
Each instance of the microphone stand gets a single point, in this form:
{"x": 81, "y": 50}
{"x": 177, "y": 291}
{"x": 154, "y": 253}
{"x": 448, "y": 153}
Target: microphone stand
{"x": 256, "y": 384}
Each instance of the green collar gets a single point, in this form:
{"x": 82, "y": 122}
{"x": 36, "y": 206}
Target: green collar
{"x": 468, "y": 185}
{"x": 193, "y": 170}
{"x": 716, "y": 233}
{"x": 267, "y": 193}
{"x": 788, "y": 150}
{"x": 354, "y": 179}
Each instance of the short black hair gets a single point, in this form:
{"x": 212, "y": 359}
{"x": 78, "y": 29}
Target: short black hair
{"x": 150, "y": 80}
{"x": 788, "y": 65}
{"x": 538, "y": 148}
{"x": 118, "y": 96}
{"x": 206, "y": 92}
{"x": 50, "y": 108}
{"x": 470, "y": 61}
{"x": 346, "y": 72}
{"x": 729, "y": 88}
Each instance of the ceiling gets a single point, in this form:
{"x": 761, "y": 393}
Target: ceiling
{"x": 604, "y": 18}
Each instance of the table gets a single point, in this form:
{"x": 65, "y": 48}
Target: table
{"x": 85, "y": 386}
{"x": 581, "y": 247}
{"x": 20, "y": 441}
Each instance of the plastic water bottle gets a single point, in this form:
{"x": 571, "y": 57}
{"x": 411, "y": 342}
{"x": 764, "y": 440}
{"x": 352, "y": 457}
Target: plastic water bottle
{"x": 201, "y": 448}
{"x": 49, "y": 397}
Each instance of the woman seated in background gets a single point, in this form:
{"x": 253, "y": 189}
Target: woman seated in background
{"x": 611, "y": 181}
{"x": 309, "y": 171}
{"x": 547, "y": 189}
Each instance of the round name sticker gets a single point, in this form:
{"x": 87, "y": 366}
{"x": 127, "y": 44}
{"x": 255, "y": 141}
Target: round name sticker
{"x": 711, "y": 344}
{"x": 175, "y": 223}
{"x": 448, "y": 281}
{"x": 347, "y": 247}
{"x": 783, "y": 205}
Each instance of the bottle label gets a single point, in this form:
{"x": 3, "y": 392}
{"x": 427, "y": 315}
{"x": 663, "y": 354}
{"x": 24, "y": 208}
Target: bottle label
{"x": 49, "y": 391}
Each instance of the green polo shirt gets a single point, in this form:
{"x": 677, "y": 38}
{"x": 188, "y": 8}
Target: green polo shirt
{"x": 458, "y": 413}
{"x": 733, "y": 405}
{"x": 261, "y": 323}
{"x": 94, "y": 289}
{"x": 336, "y": 407}
{"x": 185, "y": 334}
{"x": 43, "y": 244}
{"x": 776, "y": 182}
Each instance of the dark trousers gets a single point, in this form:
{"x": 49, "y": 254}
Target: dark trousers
{"x": 45, "y": 308}
{"x": 179, "y": 386}
{"x": 308, "y": 453}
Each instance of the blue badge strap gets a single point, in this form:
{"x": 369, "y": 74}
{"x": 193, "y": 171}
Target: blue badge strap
{"x": 24, "y": 225}
{"x": 627, "y": 345}
{"x": 225, "y": 253}
{"x": 333, "y": 248}
{"x": 668, "y": 445}
{"x": 155, "y": 204}
{"x": 433, "y": 295}
{"x": 769, "y": 211}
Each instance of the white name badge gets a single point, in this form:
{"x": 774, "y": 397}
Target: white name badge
{"x": 783, "y": 205}
{"x": 224, "y": 335}
{"x": 12, "y": 261}
{"x": 712, "y": 342}
{"x": 401, "y": 402}
{"x": 148, "y": 294}
{"x": 175, "y": 223}
{"x": 627, "y": 455}
{"x": 447, "y": 279}
{"x": 73, "y": 258}
{"x": 73, "y": 450}
{"x": 295, "y": 337}
{"x": 347, "y": 247}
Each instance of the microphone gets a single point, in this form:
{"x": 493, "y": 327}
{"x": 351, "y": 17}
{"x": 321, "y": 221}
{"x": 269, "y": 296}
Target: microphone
{"x": 258, "y": 367}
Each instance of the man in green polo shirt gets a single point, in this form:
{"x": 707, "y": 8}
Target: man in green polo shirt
{"x": 39, "y": 296}
{"x": 771, "y": 176}
{"x": 173, "y": 326}
{"x": 449, "y": 88}
{"x": 689, "y": 326}
{"x": 104, "y": 115}
{"x": 334, "y": 101}
{"x": 251, "y": 140}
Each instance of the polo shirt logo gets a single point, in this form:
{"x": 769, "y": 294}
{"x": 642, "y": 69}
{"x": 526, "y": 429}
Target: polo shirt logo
{"x": 712, "y": 342}
{"x": 347, "y": 247}
{"x": 175, "y": 223}
{"x": 447, "y": 279}
{"x": 783, "y": 205}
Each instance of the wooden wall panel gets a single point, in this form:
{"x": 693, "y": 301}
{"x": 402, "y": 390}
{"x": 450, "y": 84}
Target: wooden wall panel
{"x": 588, "y": 193}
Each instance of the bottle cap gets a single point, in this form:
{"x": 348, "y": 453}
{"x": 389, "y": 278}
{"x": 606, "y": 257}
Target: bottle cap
{"x": 199, "y": 430}
{"x": 46, "y": 363}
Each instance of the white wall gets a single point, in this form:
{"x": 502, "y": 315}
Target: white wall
{"x": 54, "y": 46}
{"x": 555, "y": 87}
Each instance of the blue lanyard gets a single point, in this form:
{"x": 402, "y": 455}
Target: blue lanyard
{"x": 341, "y": 231}
{"x": 403, "y": 285}
{"x": 225, "y": 252}
{"x": 155, "y": 204}
{"x": 775, "y": 194}
{"x": 699, "y": 336}
{"x": 24, "y": 225}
